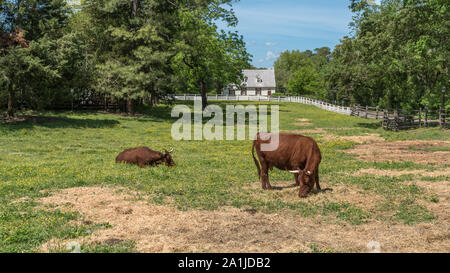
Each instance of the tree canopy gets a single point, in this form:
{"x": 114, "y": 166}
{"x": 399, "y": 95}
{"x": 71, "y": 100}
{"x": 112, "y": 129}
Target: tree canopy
{"x": 130, "y": 52}
{"x": 397, "y": 56}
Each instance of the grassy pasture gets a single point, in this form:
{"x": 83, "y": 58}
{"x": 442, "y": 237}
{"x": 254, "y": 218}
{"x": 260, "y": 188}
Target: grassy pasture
{"x": 77, "y": 149}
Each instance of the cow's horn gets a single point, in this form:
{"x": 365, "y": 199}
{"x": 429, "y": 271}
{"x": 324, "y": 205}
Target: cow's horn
{"x": 171, "y": 150}
{"x": 308, "y": 172}
{"x": 295, "y": 171}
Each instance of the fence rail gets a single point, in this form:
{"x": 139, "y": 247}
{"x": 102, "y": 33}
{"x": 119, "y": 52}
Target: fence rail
{"x": 390, "y": 119}
{"x": 398, "y": 119}
{"x": 321, "y": 104}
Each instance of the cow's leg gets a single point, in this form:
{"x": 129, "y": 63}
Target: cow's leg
{"x": 317, "y": 180}
{"x": 265, "y": 177}
{"x": 268, "y": 186}
{"x": 297, "y": 180}
{"x": 141, "y": 162}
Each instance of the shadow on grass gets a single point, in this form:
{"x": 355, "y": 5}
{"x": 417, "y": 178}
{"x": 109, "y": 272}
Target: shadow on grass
{"x": 162, "y": 113}
{"x": 374, "y": 125}
{"x": 28, "y": 122}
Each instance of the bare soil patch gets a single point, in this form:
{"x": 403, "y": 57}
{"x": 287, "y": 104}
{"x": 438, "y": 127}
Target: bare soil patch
{"x": 367, "y": 138}
{"x": 303, "y": 124}
{"x": 287, "y": 191}
{"x": 426, "y": 173}
{"x": 308, "y": 131}
{"x": 399, "y": 151}
{"x": 166, "y": 229}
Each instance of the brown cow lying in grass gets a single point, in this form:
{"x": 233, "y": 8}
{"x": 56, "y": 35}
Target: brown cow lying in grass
{"x": 297, "y": 154}
{"x": 143, "y": 157}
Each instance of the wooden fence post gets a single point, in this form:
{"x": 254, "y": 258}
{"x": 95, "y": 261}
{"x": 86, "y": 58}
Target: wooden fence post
{"x": 426, "y": 117}
{"x": 377, "y": 113}
{"x": 441, "y": 117}
{"x": 396, "y": 123}
{"x": 420, "y": 117}
{"x": 367, "y": 110}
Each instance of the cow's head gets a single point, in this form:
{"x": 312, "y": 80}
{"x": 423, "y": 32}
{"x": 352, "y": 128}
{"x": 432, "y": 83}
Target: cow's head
{"x": 167, "y": 157}
{"x": 305, "y": 175}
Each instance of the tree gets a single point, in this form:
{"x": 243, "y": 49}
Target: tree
{"x": 305, "y": 81}
{"x": 301, "y": 73}
{"x": 207, "y": 58}
{"x": 27, "y": 28}
{"x": 398, "y": 55}
{"x": 132, "y": 47}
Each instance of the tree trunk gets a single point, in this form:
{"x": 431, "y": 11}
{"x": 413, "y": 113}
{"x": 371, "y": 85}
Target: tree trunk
{"x": 135, "y": 7}
{"x": 11, "y": 102}
{"x": 130, "y": 107}
{"x": 203, "y": 93}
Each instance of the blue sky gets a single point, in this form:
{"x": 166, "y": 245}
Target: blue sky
{"x": 270, "y": 27}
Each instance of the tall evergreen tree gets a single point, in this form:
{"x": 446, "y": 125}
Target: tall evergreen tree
{"x": 133, "y": 47}
{"x": 28, "y": 30}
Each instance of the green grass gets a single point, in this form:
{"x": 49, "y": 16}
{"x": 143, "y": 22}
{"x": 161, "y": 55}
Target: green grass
{"x": 430, "y": 149}
{"x": 78, "y": 149}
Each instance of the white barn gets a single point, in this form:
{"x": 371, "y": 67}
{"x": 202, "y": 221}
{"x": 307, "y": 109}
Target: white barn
{"x": 256, "y": 83}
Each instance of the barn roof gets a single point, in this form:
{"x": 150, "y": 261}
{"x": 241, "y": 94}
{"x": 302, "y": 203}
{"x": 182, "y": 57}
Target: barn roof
{"x": 267, "y": 78}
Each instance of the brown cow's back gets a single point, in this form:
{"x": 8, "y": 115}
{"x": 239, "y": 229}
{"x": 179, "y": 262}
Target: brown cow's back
{"x": 291, "y": 152}
{"x": 141, "y": 156}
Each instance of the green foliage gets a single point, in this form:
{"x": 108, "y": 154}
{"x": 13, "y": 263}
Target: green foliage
{"x": 136, "y": 51}
{"x": 207, "y": 59}
{"x": 52, "y": 67}
{"x": 397, "y": 57}
{"x": 300, "y": 73}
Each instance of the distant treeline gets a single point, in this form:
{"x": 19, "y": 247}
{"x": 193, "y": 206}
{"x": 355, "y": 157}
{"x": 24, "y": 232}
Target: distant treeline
{"x": 120, "y": 51}
{"x": 397, "y": 57}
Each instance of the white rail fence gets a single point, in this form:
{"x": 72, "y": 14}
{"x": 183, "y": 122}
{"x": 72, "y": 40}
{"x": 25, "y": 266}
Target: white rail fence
{"x": 321, "y": 104}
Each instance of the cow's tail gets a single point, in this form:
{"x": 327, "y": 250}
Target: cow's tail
{"x": 254, "y": 159}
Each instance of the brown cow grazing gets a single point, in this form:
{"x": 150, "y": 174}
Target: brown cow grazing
{"x": 143, "y": 157}
{"x": 297, "y": 154}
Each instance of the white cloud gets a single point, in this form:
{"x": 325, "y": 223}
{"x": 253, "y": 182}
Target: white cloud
{"x": 252, "y": 43}
{"x": 271, "y": 43}
{"x": 271, "y": 56}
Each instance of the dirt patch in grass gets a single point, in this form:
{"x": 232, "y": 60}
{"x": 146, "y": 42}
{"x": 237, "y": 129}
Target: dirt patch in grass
{"x": 308, "y": 131}
{"x": 165, "y": 229}
{"x": 400, "y": 151}
{"x": 440, "y": 208}
{"x": 303, "y": 124}
{"x": 287, "y": 191}
{"x": 367, "y": 138}
{"x": 426, "y": 173}
{"x": 303, "y": 119}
